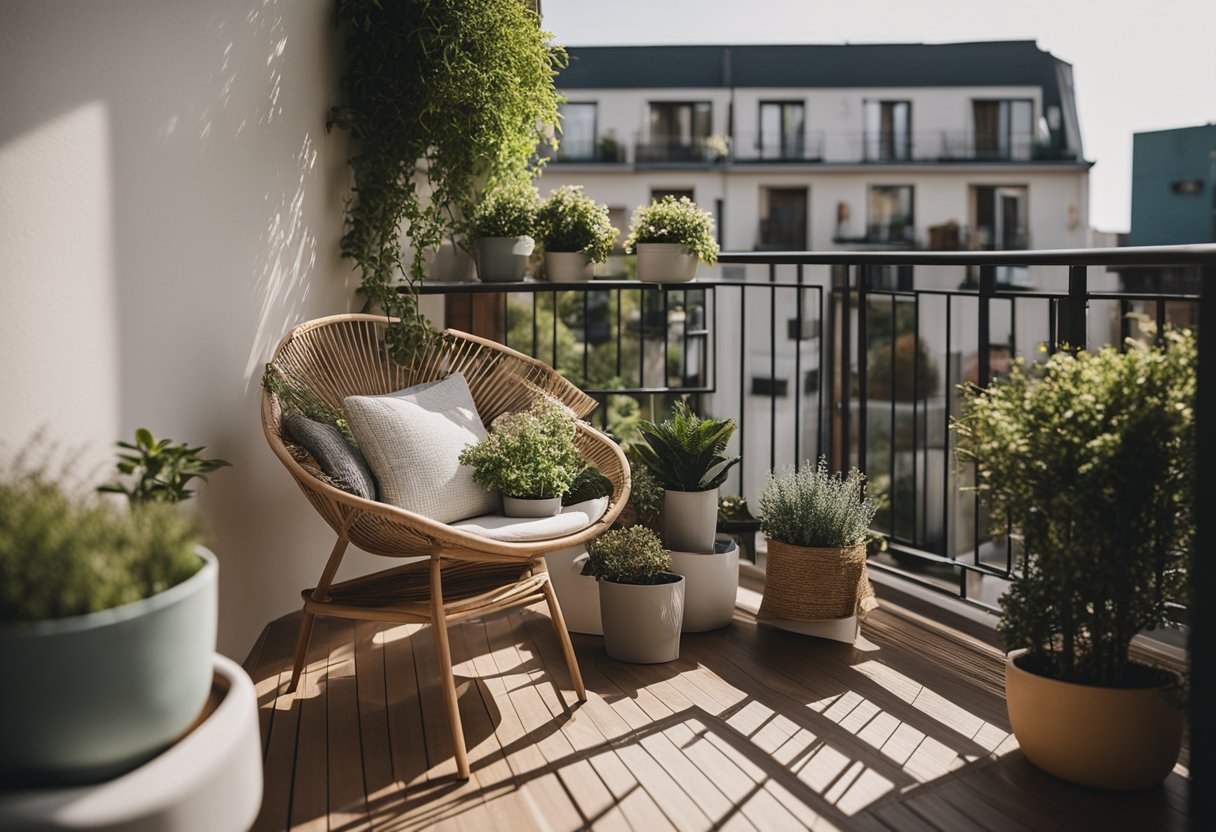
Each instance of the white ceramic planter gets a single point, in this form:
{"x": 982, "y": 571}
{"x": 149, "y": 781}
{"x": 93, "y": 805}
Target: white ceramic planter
{"x": 449, "y": 264}
{"x": 712, "y": 584}
{"x": 578, "y": 594}
{"x": 690, "y": 520}
{"x": 665, "y": 263}
{"x": 642, "y": 621}
{"x": 568, "y": 267}
{"x": 503, "y": 259}
{"x": 88, "y": 697}
{"x": 526, "y": 507}
{"x": 836, "y": 629}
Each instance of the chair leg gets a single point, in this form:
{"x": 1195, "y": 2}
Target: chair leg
{"x": 307, "y": 619}
{"x": 447, "y": 682}
{"x": 302, "y": 639}
{"x": 563, "y": 635}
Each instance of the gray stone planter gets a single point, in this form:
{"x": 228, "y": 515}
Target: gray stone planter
{"x": 503, "y": 259}
{"x": 642, "y": 621}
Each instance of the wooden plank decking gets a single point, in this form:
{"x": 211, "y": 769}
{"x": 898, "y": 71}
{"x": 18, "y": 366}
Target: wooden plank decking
{"x": 751, "y": 729}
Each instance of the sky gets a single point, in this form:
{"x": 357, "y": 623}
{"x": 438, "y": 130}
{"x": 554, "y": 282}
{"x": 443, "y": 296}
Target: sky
{"x": 1137, "y": 66}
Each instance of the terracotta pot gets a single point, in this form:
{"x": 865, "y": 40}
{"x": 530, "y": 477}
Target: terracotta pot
{"x": 568, "y": 267}
{"x": 578, "y": 594}
{"x": 665, "y": 263}
{"x": 690, "y": 520}
{"x": 1107, "y": 738}
{"x": 531, "y": 507}
{"x": 712, "y": 585}
{"x": 503, "y": 259}
{"x": 642, "y": 621}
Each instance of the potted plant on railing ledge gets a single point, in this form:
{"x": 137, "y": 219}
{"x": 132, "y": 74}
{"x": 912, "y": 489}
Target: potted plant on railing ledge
{"x": 575, "y": 232}
{"x": 817, "y": 525}
{"x": 1090, "y": 458}
{"x": 528, "y": 456}
{"x": 670, "y": 237}
{"x": 504, "y": 223}
{"x": 641, "y": 603}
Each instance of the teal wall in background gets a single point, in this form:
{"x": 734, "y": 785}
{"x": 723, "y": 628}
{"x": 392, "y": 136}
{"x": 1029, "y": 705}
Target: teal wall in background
{"x": 1162, "y": 161}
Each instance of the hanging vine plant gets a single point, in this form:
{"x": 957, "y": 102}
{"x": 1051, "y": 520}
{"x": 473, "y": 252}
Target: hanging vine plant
{"x": 445, "y": 98}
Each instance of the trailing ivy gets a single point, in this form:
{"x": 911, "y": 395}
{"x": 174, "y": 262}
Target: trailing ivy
{"x": 444, "y": 97}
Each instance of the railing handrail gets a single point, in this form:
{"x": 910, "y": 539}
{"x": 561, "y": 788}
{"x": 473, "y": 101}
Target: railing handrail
{"x": 1180, "y": 255}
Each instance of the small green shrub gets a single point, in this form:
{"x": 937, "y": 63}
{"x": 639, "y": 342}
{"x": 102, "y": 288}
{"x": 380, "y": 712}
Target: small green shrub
{"x": 162, "y": 469}
{"x": 64, "y": 553}
{"x": 686, "y": 452}
{"x": 674, "y": 220}
{"x": 528, "y": 454}
{"x": 569, "y": 220}
{"x": 812, "y": 507}
{"x": 912, "y": 363}
{"x": 732, "y": 508}
{"x": 627, "y": 556}
{"x": 590, "y": 484}
{"x": 645, "y": 494}
{"x": 507, "y": 211}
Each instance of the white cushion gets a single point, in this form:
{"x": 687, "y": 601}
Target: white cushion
{"x": 412, "y": 441}
{"x": 573, "y": 519}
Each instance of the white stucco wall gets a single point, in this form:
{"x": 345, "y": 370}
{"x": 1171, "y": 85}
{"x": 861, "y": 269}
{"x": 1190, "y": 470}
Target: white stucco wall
{"x": 170, "y": 203}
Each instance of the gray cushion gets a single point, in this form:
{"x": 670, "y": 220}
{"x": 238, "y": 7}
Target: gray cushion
{"x": 340, "y": 460}
{"x": 412, "y": 441}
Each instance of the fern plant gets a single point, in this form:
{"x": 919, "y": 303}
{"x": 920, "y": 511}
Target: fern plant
{"x": 686, "y": 452}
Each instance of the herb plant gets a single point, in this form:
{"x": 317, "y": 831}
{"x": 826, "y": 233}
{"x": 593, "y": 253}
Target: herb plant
{"x": 441, "y": 97}
{"x": 1091, "y": 459}
{"x": 507, "y": 211}
{"x": 569, "y": 220}
{"x": 528, "y": 454}
{"x": 686, "y": 452}
{"x": 815, "y": 508}
{"x": 590, "y": 484}
{"x": 161, "y": 468}
{"x": 645, "y": 494}
{"x": 627, "y": 556}
{"x": 674, "y": 220}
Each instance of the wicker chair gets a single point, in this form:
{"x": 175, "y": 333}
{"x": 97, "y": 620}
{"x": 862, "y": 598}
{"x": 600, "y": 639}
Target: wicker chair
{"x": 465, "y": 575}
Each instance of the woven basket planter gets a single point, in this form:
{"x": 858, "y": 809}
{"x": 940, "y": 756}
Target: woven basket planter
{"x": 813, "y": 584}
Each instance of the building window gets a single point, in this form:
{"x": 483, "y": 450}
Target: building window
{"x": 999, "y": 222}
{"x": 782, "y": 130}
{"x": 577, "y": 141}
{"x": 888, "y": 131}
{"x": 783, "y": 219}
{"x": 678, "y": 130}
{"x": 891, "y": 218}
{"x": 1003, "y": 129}
{"x": 679, "y": 193}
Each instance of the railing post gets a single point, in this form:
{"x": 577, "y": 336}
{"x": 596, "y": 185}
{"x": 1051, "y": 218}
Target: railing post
{"x": 1203, "y": 612}
{"x": 863, "y": 392}
{"x": 984, "y": 349}
{"x": 1076, "y": 330}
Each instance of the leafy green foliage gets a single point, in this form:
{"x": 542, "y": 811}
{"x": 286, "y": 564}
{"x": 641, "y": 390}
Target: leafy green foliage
{"x": 529, "y": 453}
{"x": 674, "y": 220}
{"x": 733, "y": 508}
{"x": 569, "y": 220}
{"x": 590, "y": 484}
{"x": 1091, "y": 459}
{"x": 507, "y": 211}
{"x": 294, "y": 395}
{"x": 64, "y": 553}
{"x": 912, "y": 363}
{"x": 162, "y": 470}
{"x": 645, "y": 494}
{"x": 627, "y": 556}
{"x": 686, "y": 452}
{"x": 443, "y": 97}
{"x": 813, "y": 507}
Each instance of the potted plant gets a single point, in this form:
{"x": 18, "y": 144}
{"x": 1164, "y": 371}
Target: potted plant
{"x": 107, "y": 617}
{"x": 503, "y": 224}
{"x": 432, "y": 134}
{"x": 528, "y": 456}
{"x": 641, "y": 603}
{"x": 577, "y": 593}
{"x": 817, "y": 524}
{"x": 687, "y": 455}
{"x": 575, "y": 232}
{"x": 1090, "y": 458}
{"x": 670, "y": 237}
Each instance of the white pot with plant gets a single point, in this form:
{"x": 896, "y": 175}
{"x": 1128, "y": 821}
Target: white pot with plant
{"x": 107, "y": 617}
{"x": 575, "y": 232}
{"x": 504, "y": 223}
{"x": 671, "y": 236}
{"x": 817, "y": 524}
{"x": 1090, "y": 459}
{"x": 641, "y": 602}
{"x": 530, "y": 458}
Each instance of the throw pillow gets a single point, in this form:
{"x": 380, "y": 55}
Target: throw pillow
{"x": 340, "y": 460}
{"x": 412, "y": 440}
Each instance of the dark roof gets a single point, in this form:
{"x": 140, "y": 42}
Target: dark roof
{"x": 989, "y": 63}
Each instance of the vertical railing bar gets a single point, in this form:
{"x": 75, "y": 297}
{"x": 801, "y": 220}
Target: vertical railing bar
{"x": 1051, "y": 326}
{"x": 666, "y": 337}
{"x": 505, "y": 323}
{"x": 742, "y": 432}
{"x": 586, "y": 338}
{"x": 824, "y": 382}
{"x": 1160, "y": 321}
{"x": 863, "y": 390}
{"x": 642, "y": 337}
{"x": 798, "y": 373}
{"x": 554, "y": 296}
{"x": 1125, "y": 324}
{"x": 713, "y": 335}
{"x": 984, "y": 351}
{"x": 917, "y": 492}
{"x": 534, "y": 325}
{"x": 946, "y": 548}
{"x": 772, "y": 367}
{"x": 684, "y": 342}
{"x": 845, "y": 345}
{"x": 1078, "y": 302}
{"x": 618, "y": 334}
{"x": 891, "y": 444}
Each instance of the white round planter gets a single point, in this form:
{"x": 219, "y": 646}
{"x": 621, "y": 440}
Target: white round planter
{"x": 642, "y": 621}
{"x": 712, "y": 584}
{"x": 690, "y": 520}
{"x": 665, "y": 263}
{"x": 503, "y": 259}
{"x": 528, "y": 507}
{"x": 568, "y": 267}
{"x": 88, "y": 697}
{"x": 578, "y": 594}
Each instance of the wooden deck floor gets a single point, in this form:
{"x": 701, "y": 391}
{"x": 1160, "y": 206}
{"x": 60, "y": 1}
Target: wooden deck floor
{"x": 751, "y": 729}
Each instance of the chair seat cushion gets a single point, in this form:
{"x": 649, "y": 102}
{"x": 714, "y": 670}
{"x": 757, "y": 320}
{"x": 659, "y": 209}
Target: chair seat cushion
{"x": 572, "y": 520}
{"x": 412, "y": 441}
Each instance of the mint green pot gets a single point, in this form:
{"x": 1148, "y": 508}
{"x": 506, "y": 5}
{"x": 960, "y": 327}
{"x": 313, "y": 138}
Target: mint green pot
{"x": 92, "y": 696}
